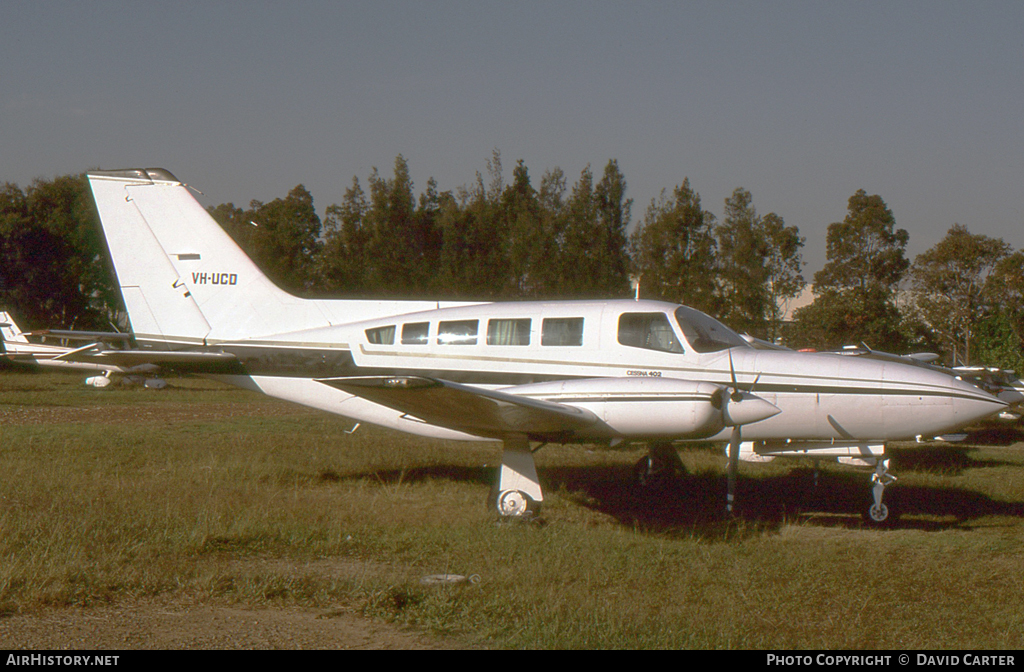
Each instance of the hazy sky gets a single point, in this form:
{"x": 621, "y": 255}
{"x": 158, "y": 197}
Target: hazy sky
{"x": 801, "y": 103}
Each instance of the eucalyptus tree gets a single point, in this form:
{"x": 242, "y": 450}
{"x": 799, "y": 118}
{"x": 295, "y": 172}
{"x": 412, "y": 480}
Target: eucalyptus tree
{"x": 341, "y": 264}
{"x": 759, "y": 266}
{"x": 592, "y": 259}
{"x": 949, "y": 282}
{"x": 856, "y": 291}
{"x": 673, "y": 250}
{"x": 1000, "y": 335}
{"x": 527, "y": 246}
{"x": 282, "y": 237}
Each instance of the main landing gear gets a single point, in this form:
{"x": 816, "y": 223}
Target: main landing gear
{"x": 516, "y": 495}
{"x": 659, "y": 468}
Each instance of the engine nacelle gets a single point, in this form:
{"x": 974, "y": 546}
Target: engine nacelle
{"x": 640, "y": 407}
{"x": 97, "y": 381}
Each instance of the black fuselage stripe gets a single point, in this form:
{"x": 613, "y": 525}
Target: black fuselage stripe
{"x": 285, "y": 362}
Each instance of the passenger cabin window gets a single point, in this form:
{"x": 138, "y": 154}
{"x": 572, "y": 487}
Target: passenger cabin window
{"x": 650, "y": 331}
{"x": 562, "y": 331}
{"x": 460, "y": 332}
{"x": 508, "y": 332}
{"x": 381, "y": 335}
{"x": 706, "y": 334}
{"x": 415, "y": 333}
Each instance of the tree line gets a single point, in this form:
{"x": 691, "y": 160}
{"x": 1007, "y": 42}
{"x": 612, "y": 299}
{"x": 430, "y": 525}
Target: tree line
{"x": 498, "y": 240}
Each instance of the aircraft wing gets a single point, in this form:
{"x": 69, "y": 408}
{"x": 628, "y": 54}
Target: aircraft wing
{"x": 96, "y": 354}
{"x": 473, "y": 410}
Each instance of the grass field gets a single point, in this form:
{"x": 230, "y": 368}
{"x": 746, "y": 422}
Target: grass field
{"x": 221, "y": 495}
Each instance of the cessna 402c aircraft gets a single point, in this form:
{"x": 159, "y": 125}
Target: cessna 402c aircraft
{"x": 518, "y": 372}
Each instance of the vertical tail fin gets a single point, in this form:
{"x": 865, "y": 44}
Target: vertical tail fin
{"x": 9, "y": 330}
{"x": 183, "y": 279}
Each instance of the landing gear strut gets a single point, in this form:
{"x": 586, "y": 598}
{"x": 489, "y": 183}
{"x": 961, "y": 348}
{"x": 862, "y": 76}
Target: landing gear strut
{"x": 661, "y": 466}
{"x": 516, "y": 495}
{"x": 878, "y": 512}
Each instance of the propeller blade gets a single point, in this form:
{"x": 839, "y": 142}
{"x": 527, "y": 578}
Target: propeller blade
{"x": 732, "y": 373}
{"x": 742, "y": 408}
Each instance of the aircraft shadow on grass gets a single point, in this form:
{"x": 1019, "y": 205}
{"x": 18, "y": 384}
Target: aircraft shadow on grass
{"x": 693, "y": 504}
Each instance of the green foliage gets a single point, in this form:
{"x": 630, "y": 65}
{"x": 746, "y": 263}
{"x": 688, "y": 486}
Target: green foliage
{"x": 865, "y": 250}
{"x": 1004, "y": 288}
{"x": 673, "y": 249}
{"x": 490, "y": 240}
{"x": 997, "y": 343}
{"x": 592, "y": 262}
{"x": 949, "y": 285}
{"x": 340, "y": 263}
{"x": 838, "y": 318}
{"x": 281, "y": 237}
{"x": 759, "y": 267}
{"x": 53, "y": 263}
{"x": 856, "y": 290}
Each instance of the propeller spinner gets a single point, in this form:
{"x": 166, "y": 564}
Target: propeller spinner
{"x": 741, "y": 409}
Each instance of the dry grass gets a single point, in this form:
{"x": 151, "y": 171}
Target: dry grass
{"x": 221, "y": 495}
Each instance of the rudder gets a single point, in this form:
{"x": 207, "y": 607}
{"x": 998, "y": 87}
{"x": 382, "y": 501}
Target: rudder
{"x": 182, "y": 277}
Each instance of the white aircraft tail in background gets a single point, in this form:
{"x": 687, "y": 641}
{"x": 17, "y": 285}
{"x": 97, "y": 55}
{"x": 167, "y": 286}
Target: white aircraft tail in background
{"x": 97, "y": 356}
{"x": 522, "y": 373}
{"x": 10, "y": 332}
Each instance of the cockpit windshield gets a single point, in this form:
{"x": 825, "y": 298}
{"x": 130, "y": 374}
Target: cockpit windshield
{"x": 706, "y": 334}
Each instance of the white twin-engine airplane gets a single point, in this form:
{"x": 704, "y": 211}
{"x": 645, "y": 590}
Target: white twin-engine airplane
{"x": 519, "y": 372}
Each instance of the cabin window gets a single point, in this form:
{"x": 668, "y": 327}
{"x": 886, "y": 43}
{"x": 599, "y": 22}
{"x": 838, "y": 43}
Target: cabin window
{"x": 650, "y": 331}
{"x": 562, "y": 331}
{"x": 415, "y": 333}
{"x": 459, "y": 332}
{"x": 508, "y": 332}
{"x": 706, "y": 334}
{"x": 381, "y": 335}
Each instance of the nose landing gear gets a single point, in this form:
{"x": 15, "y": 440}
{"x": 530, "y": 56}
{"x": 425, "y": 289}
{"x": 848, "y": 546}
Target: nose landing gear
{"x": 878, "y": 513}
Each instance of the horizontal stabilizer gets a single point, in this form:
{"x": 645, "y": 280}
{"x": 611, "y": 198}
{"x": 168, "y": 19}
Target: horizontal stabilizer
{"x": 473, "y": 410}
{"x": 82, "y": 335}
{"x": 96, "y": 354}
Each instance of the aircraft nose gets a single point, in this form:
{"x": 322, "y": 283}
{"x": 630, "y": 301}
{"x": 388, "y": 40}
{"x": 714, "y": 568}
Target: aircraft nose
{"x": 975, "y": 404}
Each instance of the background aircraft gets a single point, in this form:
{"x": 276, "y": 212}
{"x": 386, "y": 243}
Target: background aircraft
{"x": 108, "y": 353}
{"x": 1003, "y": 383}
{"x": 18, "y": 349}
{"x": 520, "y": 373}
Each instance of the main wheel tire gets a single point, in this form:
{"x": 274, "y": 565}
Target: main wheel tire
{"x": 653, "y": 473}
{"x": 515, "y": 504}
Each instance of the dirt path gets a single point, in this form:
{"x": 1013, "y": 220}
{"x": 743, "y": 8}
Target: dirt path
{"x": 170, "y": 625}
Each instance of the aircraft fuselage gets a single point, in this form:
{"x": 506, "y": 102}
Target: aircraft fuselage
{"x": 513, "y": 345}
